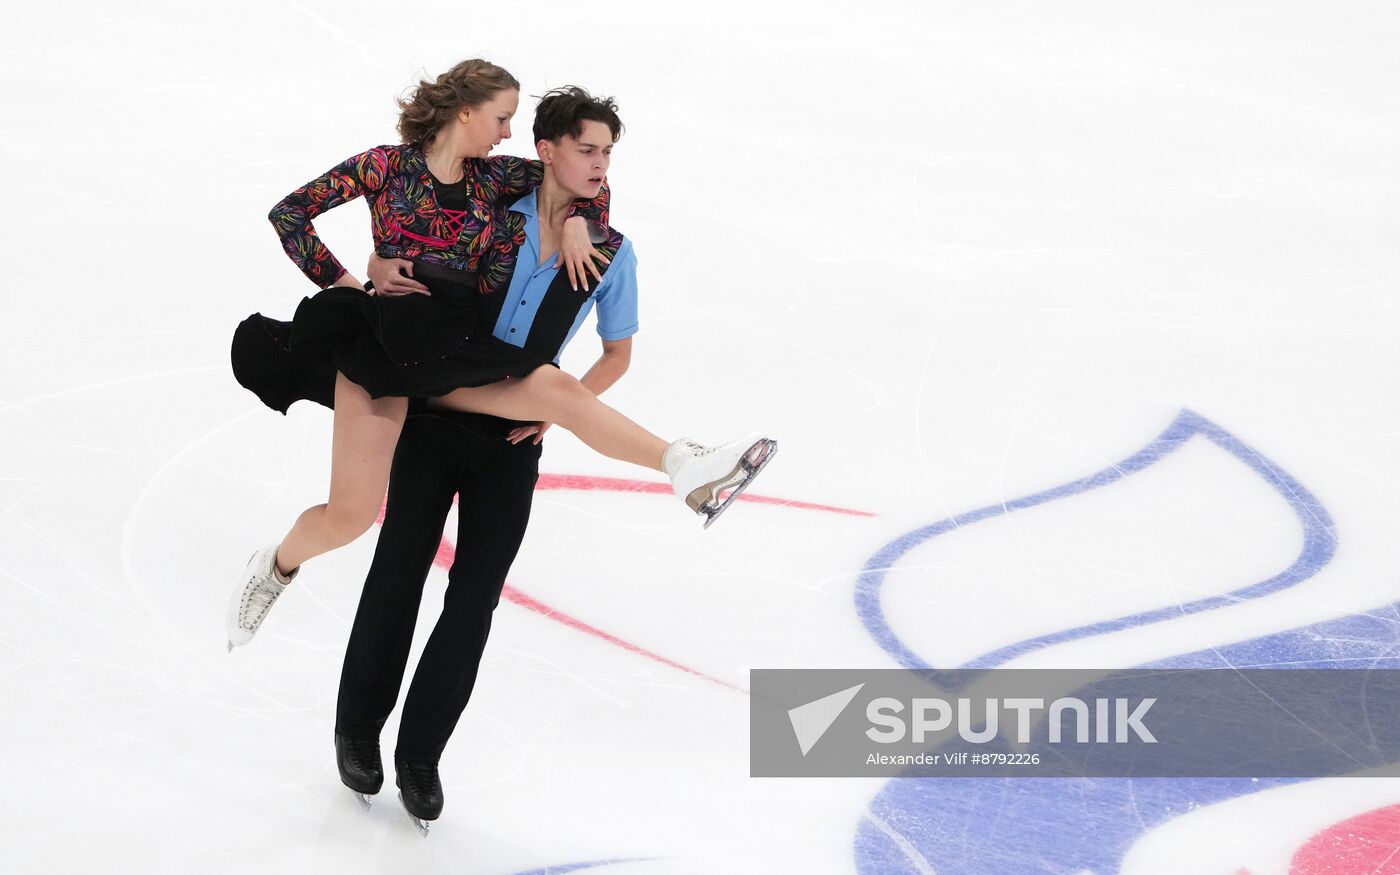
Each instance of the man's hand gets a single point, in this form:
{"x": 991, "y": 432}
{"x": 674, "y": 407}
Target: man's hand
{"x": 576, "y": 253}
{"x": 535, "y": 428}
{"x": 393, "y": 277}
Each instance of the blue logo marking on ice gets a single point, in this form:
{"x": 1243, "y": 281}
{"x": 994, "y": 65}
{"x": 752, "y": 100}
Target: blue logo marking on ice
{"x": 811, "y": 721}
{"x": 1087, "y": 826}
{"x": 1319, "y": 545}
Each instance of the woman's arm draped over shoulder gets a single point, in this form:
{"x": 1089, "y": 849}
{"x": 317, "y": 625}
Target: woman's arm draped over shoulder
{"x": 291, "y": 217}
{"x": 520, "y": 176}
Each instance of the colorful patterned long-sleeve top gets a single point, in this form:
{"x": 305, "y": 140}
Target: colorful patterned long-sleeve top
{"x": 407, "y": 221}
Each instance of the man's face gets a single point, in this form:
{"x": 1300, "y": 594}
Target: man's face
{"x": 579, "y": 164}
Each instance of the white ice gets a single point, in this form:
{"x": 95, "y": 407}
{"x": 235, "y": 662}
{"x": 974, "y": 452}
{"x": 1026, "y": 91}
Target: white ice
{"x": 948, "y": 254}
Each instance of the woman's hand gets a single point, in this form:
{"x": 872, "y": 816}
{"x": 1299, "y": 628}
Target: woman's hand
{"x": 346, "y": 280}
{"x": 388, "y": 276}
{"x": 535, "y": 428}
{"x": 577, "y": 255}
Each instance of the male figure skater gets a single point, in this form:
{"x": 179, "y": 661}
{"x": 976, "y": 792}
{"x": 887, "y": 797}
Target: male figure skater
{"x": 490, "y": 464}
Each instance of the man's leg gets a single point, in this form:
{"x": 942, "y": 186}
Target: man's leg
{"x": 493, "y": 511}
{"x": 421, "y": 486}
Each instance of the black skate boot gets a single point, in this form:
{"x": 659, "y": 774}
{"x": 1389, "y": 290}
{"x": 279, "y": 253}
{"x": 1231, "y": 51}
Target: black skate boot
{"x": 360, "y": 767}
{"x": 420, "y": 791}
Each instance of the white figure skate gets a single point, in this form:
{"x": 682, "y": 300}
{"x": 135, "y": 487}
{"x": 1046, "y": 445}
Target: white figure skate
{"x": 258, "y": 587}
{"x": 708, "y": 479}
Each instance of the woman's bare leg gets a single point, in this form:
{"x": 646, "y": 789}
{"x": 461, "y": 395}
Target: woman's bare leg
{"x": 362, "y": 451}
{"x": 551, "y": 395}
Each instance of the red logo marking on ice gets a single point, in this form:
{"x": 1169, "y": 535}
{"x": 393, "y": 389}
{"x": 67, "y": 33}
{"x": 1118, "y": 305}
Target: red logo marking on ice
{"x": 1368, "y": 843}
{"x": 446, "y": 553}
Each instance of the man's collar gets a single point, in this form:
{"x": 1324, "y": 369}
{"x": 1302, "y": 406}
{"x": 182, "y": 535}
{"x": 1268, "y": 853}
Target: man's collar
{"x": 526, "y": 205}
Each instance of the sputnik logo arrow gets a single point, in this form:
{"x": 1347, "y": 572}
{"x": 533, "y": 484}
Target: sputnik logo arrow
{"x": 811, "y": 721}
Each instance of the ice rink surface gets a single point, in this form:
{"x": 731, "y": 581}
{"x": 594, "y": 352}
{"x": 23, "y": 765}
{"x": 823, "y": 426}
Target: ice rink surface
{"x": 1077, "y": 321}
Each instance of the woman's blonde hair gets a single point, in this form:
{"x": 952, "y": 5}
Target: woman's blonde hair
{"x": 432, "y": 104}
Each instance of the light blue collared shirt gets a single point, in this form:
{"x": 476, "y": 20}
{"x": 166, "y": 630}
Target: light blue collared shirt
{"x": 616, "y": 294}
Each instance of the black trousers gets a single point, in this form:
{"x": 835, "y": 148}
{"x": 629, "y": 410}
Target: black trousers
{"x": 438, "y": 455}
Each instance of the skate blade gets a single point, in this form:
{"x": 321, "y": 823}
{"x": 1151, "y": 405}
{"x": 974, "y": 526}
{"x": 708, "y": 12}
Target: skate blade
{"x": 363, "y": 798}
{"x": 418, "y": 822}
{"x": 707, "y": 501}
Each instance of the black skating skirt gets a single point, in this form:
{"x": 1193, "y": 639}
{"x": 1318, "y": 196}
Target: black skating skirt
{"x": 411, "y": 346}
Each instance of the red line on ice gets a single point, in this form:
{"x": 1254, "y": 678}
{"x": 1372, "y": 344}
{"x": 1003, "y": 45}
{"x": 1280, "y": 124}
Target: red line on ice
{"x": 446, "y": 553}
{"x": 617, "y": 484}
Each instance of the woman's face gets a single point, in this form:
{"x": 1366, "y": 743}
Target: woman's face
{"x": 486, "y": 125}
{"x": 579, "y": 164}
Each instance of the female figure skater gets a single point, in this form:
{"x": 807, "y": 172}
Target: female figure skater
{"x": 437, "y": 200}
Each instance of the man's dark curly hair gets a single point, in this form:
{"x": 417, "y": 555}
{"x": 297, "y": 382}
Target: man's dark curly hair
{"x": 563, "y": 111}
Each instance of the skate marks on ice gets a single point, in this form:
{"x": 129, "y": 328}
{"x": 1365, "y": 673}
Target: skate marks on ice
{"x": 1339, "y": 827}
{"x": 982, "y": 827}
{"x": 1326, "y": 827}
{"x": 566, "y": 868}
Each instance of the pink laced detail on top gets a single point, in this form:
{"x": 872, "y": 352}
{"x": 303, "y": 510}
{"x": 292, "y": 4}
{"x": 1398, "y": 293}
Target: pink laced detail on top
{"x": 400, "y": 231}
{"x": 454, "y": 220}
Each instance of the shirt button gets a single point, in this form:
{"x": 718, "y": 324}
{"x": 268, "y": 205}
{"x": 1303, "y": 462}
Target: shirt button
{"x": 512, "y": 331}
{"x": 522, "y": 303}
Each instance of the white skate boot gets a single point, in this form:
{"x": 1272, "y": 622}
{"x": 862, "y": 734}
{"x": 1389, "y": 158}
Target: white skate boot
{"x": 710, "y": 478}
{"x": 258, "y": 587}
